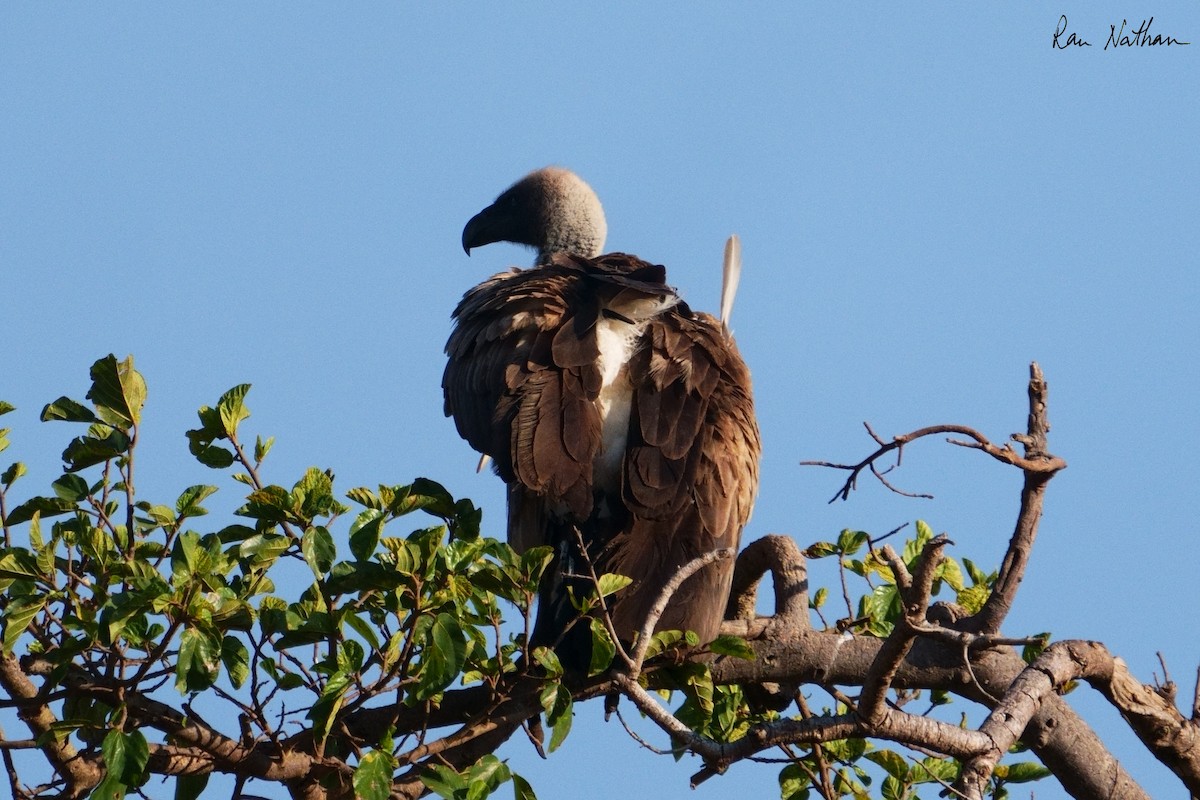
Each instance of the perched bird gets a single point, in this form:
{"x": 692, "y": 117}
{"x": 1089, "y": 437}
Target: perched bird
{"x": 617, "y": 416}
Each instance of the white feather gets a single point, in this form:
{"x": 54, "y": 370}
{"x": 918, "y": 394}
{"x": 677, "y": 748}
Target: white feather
{"x": 730, "y": 277}
{"x": 616, "y": 340}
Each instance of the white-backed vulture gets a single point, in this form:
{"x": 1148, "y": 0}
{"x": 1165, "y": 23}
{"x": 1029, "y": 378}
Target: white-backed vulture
{"x": 610, "y": 408}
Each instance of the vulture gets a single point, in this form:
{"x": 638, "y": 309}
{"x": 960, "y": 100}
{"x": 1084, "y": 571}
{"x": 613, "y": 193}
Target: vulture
{"x": 621, "y": 420}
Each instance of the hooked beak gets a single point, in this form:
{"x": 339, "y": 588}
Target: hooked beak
{"x": 483, "y": 228}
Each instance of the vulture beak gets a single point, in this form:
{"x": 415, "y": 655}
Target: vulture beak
{"x": 484, "y": 228}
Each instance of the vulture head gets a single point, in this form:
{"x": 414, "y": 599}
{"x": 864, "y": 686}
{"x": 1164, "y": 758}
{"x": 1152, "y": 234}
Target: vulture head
{"x": 550, "y": 209}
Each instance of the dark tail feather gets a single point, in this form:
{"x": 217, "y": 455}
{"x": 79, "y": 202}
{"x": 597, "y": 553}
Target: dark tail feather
{"x": 559, "y": 624}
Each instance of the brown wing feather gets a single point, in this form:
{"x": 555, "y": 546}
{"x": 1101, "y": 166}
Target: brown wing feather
{"x": 691, "y": 472}
{"x": 520, "y": 385}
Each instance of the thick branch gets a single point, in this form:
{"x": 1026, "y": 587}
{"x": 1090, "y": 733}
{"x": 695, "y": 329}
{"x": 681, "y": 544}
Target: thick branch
{"x": 780, "y": 556}
{"x": 81, "y": 775}
{"x": 1173, "y": 739}
{"x": 1060, "y": 738}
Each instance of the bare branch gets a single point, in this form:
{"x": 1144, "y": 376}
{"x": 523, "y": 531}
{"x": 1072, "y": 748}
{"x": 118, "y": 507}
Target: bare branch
{"x": 1039, "y": 467}
{"x": 1035, "y": 461}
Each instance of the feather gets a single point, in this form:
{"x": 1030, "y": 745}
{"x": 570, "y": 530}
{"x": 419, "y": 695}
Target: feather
{"x": 731, "y": 276}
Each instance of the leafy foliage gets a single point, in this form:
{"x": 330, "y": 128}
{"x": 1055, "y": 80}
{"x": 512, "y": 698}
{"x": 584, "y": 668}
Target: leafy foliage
{"x": 308, "y": 609}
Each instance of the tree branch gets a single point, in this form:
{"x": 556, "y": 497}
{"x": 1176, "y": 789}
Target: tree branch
{"x": 1039, "y": 467}
{"x": 780, "y": 556}
{"x": 81, "y": 775}
{"x": 872, "y": 706}
{"x": 1172, "y": 738}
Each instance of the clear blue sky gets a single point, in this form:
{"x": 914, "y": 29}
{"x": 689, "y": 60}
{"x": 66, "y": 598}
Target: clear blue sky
{"x": 929, "y": 197}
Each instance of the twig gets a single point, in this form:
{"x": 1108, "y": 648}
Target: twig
{"x": 664, "y": 597}
{"x": 1035, "y": 461}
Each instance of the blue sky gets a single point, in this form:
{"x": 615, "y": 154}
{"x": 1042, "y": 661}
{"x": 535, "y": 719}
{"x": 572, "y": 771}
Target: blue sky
{"x": 929, "y": 197}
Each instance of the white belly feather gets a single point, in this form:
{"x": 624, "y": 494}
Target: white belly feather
{"x": 616, "y": 340}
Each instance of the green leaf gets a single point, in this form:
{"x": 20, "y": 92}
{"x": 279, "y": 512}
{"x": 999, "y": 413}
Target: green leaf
{"x": 892, "y": 762}
{"x": 313, "y": 494}
{"x": 199, "y": 657}
{"x": 269, "y": 504}
{"x": 71, "y": 488}
{"x": 445, "y": 782}
{"x": 444, "y": 656}
{"x": 978, "y": 576}
{"x": 793, "y": 783}
{"x": 1030, "y": 652}
{"x": 560, "y": 724}
{"x": 188, "y": 504}
{"x": 373, "y": 776}
{"x": 232, "y": 409}
{"x": 14, "y": 471}
{"x": 913, "y": 547}
{"x": 190, "y": 787}
{"x": 318, "y": 549}
{"x": 17, "y": 616}
{"x": 350, "y": 657}
{"x": 209, "y": 454}
{"x": 137, "y": 756}
{"x": 262, "y": 447}
{"x": 113, "y": 748}
{"x": 821, "y": 550}
{"x": 263, "y": 548}
{"x": 324, "y": 711}
{"x": 1023, "y": 772}
{"x": 67, "y": 410}
{"x": 610, "y": 583}
{"x": 934, "y": 770}
{"x": 521, "y": 788}
{"x": 236, "y": 659}
{"x": 662, "y": 641}
{"x": 548, "y": 660}
{"x": 734, "y": 646}
{"x": 421, "y": 494}
{"x": 849, "y": 542}
{"x": 701, "y": 689}
{"x": 603, "y": 648}
{"x": 485, "y": 776}
{"x": 118, "y": 391}
{"x": 951, "y": 573}
{"x": 364, "y": 629}
{"x": 20, "y": 564}
{"x": 101, "y": 444}
{"x": 365, "y": 533}
{"x": 883, "y": 607}
{"x": 6, "y": 407}
{"x": 893, "y": 789}
{"x": 365, "y": 497}
{"x": 973, "y": 597}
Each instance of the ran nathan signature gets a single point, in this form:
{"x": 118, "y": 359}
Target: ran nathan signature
{"x": 1122, "y": 36}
